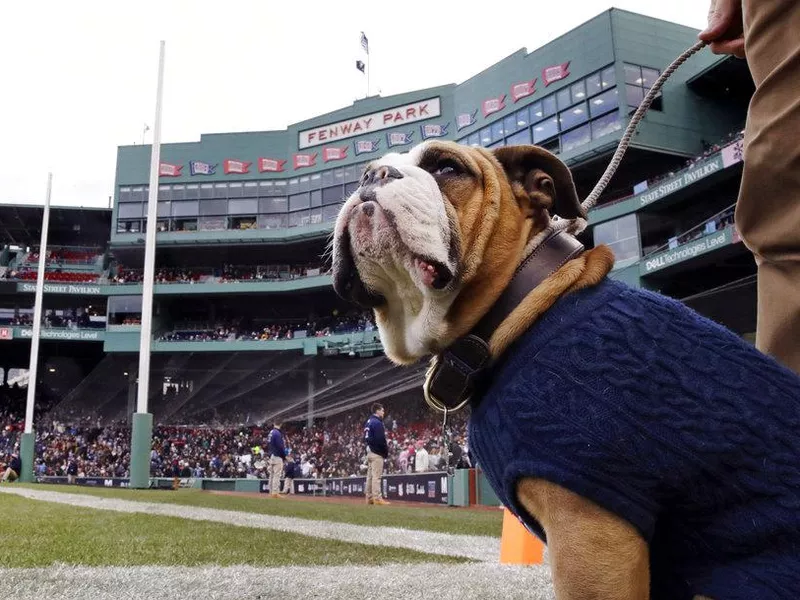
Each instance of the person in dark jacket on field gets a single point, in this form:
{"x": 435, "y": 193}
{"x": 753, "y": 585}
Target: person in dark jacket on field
{"x": 291, "y": 472}
{"x": 72, "y": 470}
{"x": 277, "y": 452}
{"x": 377, "y": 452}
{"x": 14, "y": 469}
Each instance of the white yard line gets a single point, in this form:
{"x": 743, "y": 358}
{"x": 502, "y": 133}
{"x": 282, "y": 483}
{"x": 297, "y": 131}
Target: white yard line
{"x": 482, "y": 548}
{"x": 389, "y": 582}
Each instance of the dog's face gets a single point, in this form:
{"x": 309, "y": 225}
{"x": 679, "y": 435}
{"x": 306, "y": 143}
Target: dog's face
{"x": 431, "y": 238}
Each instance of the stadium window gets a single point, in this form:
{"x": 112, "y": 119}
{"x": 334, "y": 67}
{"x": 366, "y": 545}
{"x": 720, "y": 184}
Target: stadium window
{"x": 220, "y": 190}
{"x": 522, "y": 118}
{"x": 294, "y": 186}
{"x": 573, "y": 116}
{"x": 130, "y": 211}
{"x": 498, "y": 132}
{"x": 250, "y": 189}
{"x": 178, "y": 192}
{"x": 305, "y": 184}
{"x": 594, "y": 85}
{"x": 185, "y": 225}
{"x": 349, "y": 188}
{"x": 350, "y": 174}
{"x": 563, "y": 99}
{"x": 300, "y": 218}
{"x": 329, "y": 213}
{"x": 264, "y": 189}
{"x": 327, "y": 178}
{"x": 634, "y": 95}
{"x": 545, "y": 130}
{"x": 316, "y": 216}
{"x": 338, "y": 176}
{"x": 498, "y": 144}
{"x": 622, "y": 236}
{"x": 273, "y": 221}
{"x": 609, "y": 77}
{"x": 137, "y": 194}
{"x": 273, "y": 205}
{"x": 214, "y": 223}
{"x": 164, "y": 209}
{"x": 535, "y": 112}
{"x": 576, "y": 138}
{"x": 486, "y": 136}
{"x": 193, "y": 192}
{"x": 316, "y": 181}
{"x": 633, "y": 74}
{"x": 124, "y": 194}
{"x": 510, "y": 124}
{"x": 185, "y": 209}
{"x": 247, "y": 206}
{"x": 474, "y": 140}
{"x": 578, "y": 91}
{"x": 332, "y": 195}
{"x": 207, "y": 190}
{"x": 553, "y": 145}
{"x": 316, "y": 197}
{"x": 128, "y": 226}
{"x": 215, "y": 207}
{"x": 121, "y": 308}
{"x": 606, "y": 125}
{"x": 638, "y": 81}
{"x": 235, "y": 190}
{"x": 248, "y": 222}
{"x": 605, "y": 102}
{"x": 521, "y": 137}
{"x": 299, "y": 201}
{"x": 164, "y": 193}
{"x": 548, "y": 106}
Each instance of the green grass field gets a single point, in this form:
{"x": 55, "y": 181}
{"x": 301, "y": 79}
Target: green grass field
{"x": 35, "y": 533}
{"x": 438, "y": 519}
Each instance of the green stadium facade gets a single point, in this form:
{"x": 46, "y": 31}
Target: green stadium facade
{"x": 266, "y": 202}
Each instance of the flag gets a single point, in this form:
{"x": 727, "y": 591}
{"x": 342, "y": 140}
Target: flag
{"x": 364, "y": 43}
{"x": 360, "y": 66}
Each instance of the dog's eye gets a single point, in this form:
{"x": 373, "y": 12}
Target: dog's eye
{"x": 446, "y": 167}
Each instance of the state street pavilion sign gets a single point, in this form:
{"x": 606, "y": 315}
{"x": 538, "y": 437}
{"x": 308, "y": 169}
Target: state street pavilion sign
{"x": 384, "y": 119}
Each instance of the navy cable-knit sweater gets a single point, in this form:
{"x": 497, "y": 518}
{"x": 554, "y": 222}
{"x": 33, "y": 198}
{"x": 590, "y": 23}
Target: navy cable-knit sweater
{"x": 666, "y": 419}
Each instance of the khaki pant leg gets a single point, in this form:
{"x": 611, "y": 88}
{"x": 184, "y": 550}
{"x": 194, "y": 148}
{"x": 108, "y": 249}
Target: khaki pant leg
{"x": 768, "y": 210}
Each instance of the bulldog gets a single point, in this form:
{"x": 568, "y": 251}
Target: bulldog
{"x": 653, "y": 451}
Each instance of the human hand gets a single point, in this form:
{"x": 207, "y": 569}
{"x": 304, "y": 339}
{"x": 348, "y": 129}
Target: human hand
{"x": 725, "y": 30}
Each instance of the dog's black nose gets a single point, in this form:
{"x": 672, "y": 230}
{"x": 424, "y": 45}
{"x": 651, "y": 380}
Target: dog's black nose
{"x": 377, "y": 176}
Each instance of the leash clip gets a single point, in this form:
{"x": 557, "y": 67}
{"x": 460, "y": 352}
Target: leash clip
{"x": 451, "y": 379}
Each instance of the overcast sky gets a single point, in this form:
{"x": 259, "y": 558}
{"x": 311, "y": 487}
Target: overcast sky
{"x": 78, "y": 78}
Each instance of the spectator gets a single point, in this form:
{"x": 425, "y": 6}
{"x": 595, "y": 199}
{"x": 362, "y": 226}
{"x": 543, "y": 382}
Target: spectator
{"x": 14, "y": 469}
{"x": 277, "y": 452}
{"x": 421, "y": 461}
{"x": 291, "y": 472}
{"x": 377, "y": 452}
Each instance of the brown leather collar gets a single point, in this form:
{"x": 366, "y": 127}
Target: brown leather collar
{"x": 454, "y": 374}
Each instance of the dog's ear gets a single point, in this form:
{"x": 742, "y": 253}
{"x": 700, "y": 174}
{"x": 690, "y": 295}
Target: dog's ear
{"x": 543, "y": 177}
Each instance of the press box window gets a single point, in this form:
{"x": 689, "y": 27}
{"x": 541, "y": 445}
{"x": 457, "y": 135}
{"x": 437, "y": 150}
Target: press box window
{"x": 622, "y": 236}
{"x": 638, "y": 81}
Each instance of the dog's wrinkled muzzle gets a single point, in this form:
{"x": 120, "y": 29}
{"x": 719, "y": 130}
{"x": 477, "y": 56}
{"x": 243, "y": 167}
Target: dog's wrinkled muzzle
{"x": 346, "y": 281}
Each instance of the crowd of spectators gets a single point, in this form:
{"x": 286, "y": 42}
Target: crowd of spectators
{"x": 241, "y": 331}
{"x": 710, "y": 149}
{"x": 333, "y": 447}
{"x": 87, "y": 317}
{"x": 226, "y": 274}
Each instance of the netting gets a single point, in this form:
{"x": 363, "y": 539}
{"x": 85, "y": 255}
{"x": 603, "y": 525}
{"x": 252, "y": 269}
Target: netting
{"x": 235, "y": 388}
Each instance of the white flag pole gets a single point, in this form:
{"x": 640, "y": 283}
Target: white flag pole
{"x": 28, "y": 441}
{"x": 142, "y": 433}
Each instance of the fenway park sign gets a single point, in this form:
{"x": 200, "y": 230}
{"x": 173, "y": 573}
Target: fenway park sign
{"x": 385, "y": 119}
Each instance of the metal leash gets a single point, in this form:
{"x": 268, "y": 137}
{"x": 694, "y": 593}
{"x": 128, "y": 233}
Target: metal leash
{"x": 591, "y": 199}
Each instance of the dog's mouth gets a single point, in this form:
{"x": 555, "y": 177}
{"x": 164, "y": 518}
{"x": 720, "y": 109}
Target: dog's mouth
{"x": 346, "y": 281}
{"x": 433, "y": 273}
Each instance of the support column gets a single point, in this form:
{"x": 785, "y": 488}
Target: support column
{"x": 27, "y": 445}
{"x": 141, "y": 442}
